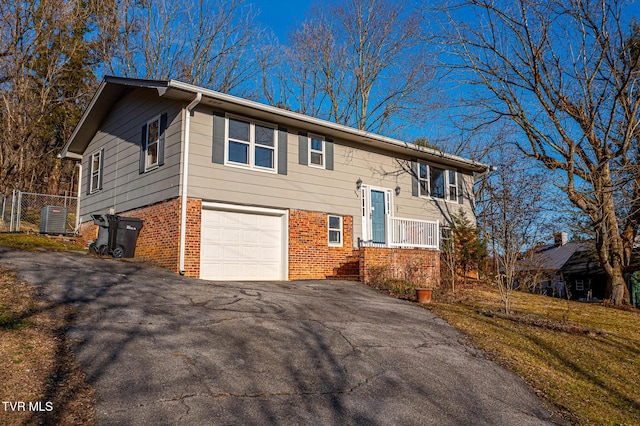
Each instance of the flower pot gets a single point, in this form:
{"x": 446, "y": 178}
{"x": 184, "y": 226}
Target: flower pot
{"x": 424, "y": 295}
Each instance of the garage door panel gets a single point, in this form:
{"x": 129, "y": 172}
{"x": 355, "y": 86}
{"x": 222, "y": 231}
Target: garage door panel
{"x": 241, "y": 246}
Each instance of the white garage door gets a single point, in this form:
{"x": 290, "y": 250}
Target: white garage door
{"x": 241, "y": 246}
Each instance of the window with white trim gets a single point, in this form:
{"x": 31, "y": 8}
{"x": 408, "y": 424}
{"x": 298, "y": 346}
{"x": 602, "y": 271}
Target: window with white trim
{"x": 335, "y": 230}
{"x": 316, "y": 151}
{"x": 96, "y": 171}
{"x": 452, "y": 183}
{"x": 251, "y": 144}
{"x": 437, "y": 182}
{"x": 153, "y": 141}
{"x": 579, "y": 285}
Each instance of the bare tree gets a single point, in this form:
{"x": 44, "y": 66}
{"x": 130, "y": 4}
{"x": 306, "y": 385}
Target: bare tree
{"x": 565, "y": 72}
{"x": 46, "y": 60}
{"x": 511, "y": 215}
{"x": 212, "y": 43}
{"x": 358, "y": 62}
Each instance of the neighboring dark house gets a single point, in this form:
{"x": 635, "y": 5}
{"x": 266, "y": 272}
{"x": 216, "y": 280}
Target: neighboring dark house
{"x": 565, "y": 268}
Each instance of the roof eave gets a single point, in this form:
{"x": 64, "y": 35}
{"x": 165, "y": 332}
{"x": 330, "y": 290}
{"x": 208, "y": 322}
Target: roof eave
{"x": 359, "y": 135}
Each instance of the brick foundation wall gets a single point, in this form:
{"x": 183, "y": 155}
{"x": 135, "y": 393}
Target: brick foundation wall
{"x": 310, "y": 256}
{"x": 159, "y": 239}
{"x": 419, "y": 266}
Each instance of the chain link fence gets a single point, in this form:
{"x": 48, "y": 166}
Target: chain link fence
{"x": 21, "y": 211}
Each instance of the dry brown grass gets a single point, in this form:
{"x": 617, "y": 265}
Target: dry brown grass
{"x": 583, "y": 358}
{"x": 36, "y": 363}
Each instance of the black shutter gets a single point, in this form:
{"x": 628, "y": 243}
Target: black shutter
{"x": 460, "y": 179}
{"x": 161, "y": 139}
{"x": 282, "y": 151}
{"x": 415, "y": 182}
{"x": 218, "y": 138}
{"x": 303, "y": 149}
{"x": 328, "y": 148}
{"x": 101, "y": 169}
{"x": 143, "y": 150}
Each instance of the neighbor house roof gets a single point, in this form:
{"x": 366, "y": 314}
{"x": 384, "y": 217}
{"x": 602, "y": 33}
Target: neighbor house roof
{"x": 551, "y": 257}
{"x": 113, "y": 88}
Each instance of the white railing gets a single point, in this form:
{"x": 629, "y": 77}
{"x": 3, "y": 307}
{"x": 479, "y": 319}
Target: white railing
{"x": 413, "y": 233}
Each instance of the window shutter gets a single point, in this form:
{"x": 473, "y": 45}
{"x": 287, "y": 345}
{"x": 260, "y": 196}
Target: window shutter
{"x": 415, "y": 183}
{"x": 282, "y": 151}
{"x": 303, "y": 149}
{"x": 218, "y": 138}
{"x": 143, "y": 149}
{"x": 460, "y": 179}
{"x": 328, "y": 149}
{"x": 101, "y": 168}
{"x": 161, "y": 139}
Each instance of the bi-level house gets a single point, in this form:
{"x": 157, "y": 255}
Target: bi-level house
{"x": 231, "y": 189}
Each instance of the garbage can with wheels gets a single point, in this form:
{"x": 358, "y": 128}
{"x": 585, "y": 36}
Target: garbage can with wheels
{"x": 101, "y": 244}
{"x": 123, "y": 235}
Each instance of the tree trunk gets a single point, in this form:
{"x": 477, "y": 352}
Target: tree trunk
{"x": 617, "y": 287}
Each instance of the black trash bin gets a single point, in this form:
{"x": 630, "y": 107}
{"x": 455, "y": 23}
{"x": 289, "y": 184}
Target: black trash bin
{"x": 123, "y": 235}
{"x": 101, "y": 244}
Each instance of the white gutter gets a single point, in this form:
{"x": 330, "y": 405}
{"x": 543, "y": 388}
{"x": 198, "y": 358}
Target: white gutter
{"x": 185, "y": 179}
{"x": 78, "y": 198}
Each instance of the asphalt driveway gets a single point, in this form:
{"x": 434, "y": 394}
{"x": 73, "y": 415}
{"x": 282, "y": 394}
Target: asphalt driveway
{"x": 164, "y": 349}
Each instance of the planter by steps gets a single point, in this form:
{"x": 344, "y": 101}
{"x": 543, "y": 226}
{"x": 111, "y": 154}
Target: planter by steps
{"x": 423, "y": 295}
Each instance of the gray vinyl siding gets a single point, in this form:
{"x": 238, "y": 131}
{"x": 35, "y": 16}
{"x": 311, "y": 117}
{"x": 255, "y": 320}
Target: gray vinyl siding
{"x": 123, "y": 187}
{"x": 309, "y": 188}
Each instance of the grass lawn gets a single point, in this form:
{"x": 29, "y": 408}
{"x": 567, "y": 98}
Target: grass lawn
{"x": 583, "y": 358}
{"x": 36, "y": 363}
{"x": 21, "y": 241}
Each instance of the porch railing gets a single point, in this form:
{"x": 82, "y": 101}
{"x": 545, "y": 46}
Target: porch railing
{"x": 409, "y": 233}
{"x": 413, "y": 233}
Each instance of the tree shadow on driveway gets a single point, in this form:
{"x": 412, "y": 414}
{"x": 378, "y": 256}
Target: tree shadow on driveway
{"x": 164, "y": 349}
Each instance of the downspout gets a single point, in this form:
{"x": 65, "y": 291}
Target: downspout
{"x": 79, "y": 165}
{"x": 185, "y": 179}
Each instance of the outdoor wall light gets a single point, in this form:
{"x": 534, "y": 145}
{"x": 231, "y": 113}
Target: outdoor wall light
{"x": 359, "y": 183}
{"x": 398, "y": 189}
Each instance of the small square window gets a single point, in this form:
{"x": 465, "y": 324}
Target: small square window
{"x": 335, "y": 231}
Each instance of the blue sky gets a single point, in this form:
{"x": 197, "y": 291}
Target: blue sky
{"x": 280, "y": 15}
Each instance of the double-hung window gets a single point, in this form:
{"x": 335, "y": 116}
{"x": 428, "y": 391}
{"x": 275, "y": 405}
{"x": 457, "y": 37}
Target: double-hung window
{"x": 424, "y": 180}
{"x": 153, "y": 141}
{"x": 95, "y": 179}
{"x": 316, "y": 151}
{"x": 453, "y": 185}
{"x": 335, "y": 231}
{"x": 437, "y": 182}
{"x": 251, "y": 144}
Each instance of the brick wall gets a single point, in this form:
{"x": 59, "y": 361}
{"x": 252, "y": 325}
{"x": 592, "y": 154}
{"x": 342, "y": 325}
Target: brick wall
{"x": 159, "y": 239}
{"x": 419, "y": 266}
{"x": 310, "y": 256}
